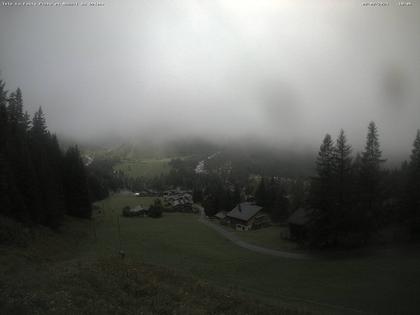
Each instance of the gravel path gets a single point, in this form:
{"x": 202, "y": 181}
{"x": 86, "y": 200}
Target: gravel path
{"x": 255, "y": 248}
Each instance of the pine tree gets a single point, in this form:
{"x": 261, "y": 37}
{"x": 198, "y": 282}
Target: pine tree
{"x": 322, "y": 184}
{"x": 372, "y": 156}
{"x": 76, "y": 185}
{"x": 261, "y": 194}
{"x": 237, "y": 193}
{"x": 370, "y": 166}
{"x": 27, "y": 123}
{"x": 19, "y": 108}
{"x": 280, "y": 209}
{"x": 413, "y": 187}
{"x": 357, "y": 164}
{"x": 369, "y": 178}
{"x": 342, "y": 168}
{"x": 3, "y": 118}
{"x": 271, "y": 193}
{"x": 322, "y": 195}
{"x": 39, "y": 127}
{"x": 55, "y": 197}
{"x": 31, "y": 181}
{"x": 3, "y": 94}
{"x": 5, "y": 202}
{"x": 415, "y": 156}
{"x": 38, "y": 138}
{"x": 18, "y": 155}
{"x": 325, "y": 159}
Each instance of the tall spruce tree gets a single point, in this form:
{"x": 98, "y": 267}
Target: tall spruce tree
{"x": 280, "y": 209}
{"x": 5, "y": 198}
{"x": 342, "y": 169}
{"x": 47, "y": 161}
{"x": 19, "y": 156}
{"x": 322, "y": 195}
{"x": 413, "y": 187}
{"x": 322, "y": 184}
{"x": 369, "y": 178}
{"x": 261, "y": 194}
{"x": 39, "y": 126}
{"x": 75, "y": 184}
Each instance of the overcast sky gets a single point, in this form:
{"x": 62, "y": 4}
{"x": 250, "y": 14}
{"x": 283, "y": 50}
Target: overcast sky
{"x": 286, "y": 71}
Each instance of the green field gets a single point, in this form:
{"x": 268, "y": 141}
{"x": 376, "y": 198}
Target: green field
{"x": 62, "y": 272}
{"x": 177, "y": 264}
{"x": 270, "y": 237}
{"x": 136, "y": 161}
{"x": 384, "y": 283}
{"x": 147, "y": 168}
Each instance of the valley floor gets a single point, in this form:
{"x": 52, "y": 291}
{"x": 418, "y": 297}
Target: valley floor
{"x": 237, "y": 239}
{"x": 60, "y": 274}
{"x": 383, "y": 283}
{"x": 177, "y": 264}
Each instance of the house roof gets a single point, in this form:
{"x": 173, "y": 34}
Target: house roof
{"x": 244, "y": 211}
{"x": 138, "y": 209}
{"x": 300, "y": 216}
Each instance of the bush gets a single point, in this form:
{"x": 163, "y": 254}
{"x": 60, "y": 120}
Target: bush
{"x": 13, "y": 233}
{"x": 126, "y": 211}
{"x": 155, "y": 210}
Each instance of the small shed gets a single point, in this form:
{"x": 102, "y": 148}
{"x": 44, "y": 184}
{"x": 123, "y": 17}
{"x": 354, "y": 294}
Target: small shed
{"x": 298, "y": 223}
{"x": 135, "y": 211}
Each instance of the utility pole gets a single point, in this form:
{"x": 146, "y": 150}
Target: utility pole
{"x": 121, "y": 252}
{"x": 94, "y": 228}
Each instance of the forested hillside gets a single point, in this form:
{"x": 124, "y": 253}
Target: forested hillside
{"x": 38, "y": 182}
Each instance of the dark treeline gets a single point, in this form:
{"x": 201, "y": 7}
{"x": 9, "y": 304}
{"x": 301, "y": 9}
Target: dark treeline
{"x": 38, "y": 182}
{"x": 102, "y": 178}
{"x": 352, "y": 197}
{"x": 278, "y": 196}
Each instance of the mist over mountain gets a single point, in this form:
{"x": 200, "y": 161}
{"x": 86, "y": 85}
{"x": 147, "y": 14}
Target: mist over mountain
{"x": 209, "y": 157}
{"x": 280, "y": 73}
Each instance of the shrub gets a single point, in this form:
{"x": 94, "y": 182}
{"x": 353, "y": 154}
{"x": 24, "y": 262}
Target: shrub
{"x": 13, "y": 233}
{"x": 155, "y": 210}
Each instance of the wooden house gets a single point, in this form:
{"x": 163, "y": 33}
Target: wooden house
{"x": 246, "y": 216}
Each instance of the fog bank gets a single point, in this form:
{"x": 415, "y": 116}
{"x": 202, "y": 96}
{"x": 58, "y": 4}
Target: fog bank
{"x": 285, "y": 72}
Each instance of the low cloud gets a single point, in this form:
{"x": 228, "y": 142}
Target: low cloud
{"x": 286, "y": 72}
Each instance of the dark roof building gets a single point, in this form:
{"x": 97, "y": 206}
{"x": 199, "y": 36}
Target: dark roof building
{"x": 298, "y": 222}
{"x": 244, "y": 211}
{"x": 300, "y": 217}
{"x": 178, "y": 200}
{"x": 247, "y": 215}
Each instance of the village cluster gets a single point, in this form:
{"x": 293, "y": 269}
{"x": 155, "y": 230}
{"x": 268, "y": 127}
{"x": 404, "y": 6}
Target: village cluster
{"x": 243, "y": 217}
{"x": 175, "y": 200}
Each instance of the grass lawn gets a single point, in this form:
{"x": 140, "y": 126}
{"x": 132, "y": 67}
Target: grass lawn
{"x": 116, "y": 202}
{"x": 269, "y": 237}
{"x": 60, "y": 273}
{"x": 384, "y": 283}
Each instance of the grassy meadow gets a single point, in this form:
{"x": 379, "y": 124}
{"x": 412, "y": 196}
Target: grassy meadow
{"x": 60, "y": 273}
{"x": 382, "y": 283}
{"x": 147, "y": 168}
{"x": 135, "y": 162}
{"x": 270, "y": 237}
{"x": 176, "y": 264}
